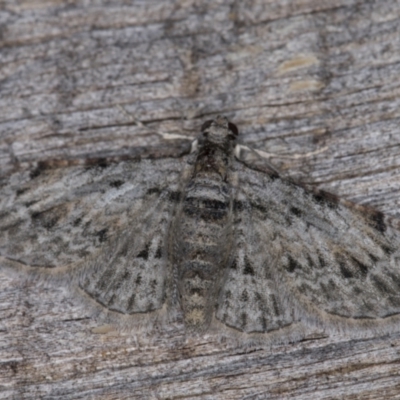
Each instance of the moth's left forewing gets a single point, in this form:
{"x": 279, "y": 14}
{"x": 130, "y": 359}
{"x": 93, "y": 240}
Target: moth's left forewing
{"x": 101, "y": 231}
{"x": 58, "y": 217}
{"x": 129, "y": 280}
{"x": 339, "y": 266}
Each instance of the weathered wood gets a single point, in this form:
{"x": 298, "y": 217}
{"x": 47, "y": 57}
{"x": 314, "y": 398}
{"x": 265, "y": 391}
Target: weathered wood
{"x": 314, "y": 83}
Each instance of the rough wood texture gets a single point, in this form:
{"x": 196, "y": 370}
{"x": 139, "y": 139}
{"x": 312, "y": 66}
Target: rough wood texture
{"x": 314, "y": 82}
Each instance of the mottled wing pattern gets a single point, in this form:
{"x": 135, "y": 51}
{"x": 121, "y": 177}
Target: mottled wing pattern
{"x": 340, "y": 263}
{"x": 129, "y": 274}
{"x": 249, "y": 299}
{"x": 100, "y": 227}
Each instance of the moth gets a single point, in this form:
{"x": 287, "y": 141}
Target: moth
{"x": 205, "y": 240}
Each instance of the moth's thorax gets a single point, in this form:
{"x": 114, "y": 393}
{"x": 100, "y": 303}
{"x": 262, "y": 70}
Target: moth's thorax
{"x": 212, "y": 162}
{"x": 215, "y": 149}
{"x": 203, "y": 236}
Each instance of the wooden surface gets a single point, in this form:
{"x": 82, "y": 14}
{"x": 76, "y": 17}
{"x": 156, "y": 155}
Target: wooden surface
{"x": 314, "y": 84}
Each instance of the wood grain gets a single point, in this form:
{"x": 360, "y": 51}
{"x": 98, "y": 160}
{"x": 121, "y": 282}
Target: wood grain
{"x": 314, "y": 84}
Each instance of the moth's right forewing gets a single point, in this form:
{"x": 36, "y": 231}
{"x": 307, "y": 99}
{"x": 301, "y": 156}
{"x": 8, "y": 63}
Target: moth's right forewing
{"x": 250, "y": 301}
{"x": 340, "y": 264}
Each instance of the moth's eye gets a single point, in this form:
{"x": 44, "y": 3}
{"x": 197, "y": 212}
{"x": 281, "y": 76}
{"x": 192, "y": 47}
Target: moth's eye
{"x": 233, "y": 128}
{"x": 206, "y": 125}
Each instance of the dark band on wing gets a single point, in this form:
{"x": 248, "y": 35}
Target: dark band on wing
{"x": 377, "y": 220}
{"x": 326, "y": 198}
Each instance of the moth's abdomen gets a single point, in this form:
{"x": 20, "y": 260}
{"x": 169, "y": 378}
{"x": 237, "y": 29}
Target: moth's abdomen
{"x": 203, "y": 238}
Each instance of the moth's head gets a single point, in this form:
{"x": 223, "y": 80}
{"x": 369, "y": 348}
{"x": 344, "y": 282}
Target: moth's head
{"x": 219, "y": 131}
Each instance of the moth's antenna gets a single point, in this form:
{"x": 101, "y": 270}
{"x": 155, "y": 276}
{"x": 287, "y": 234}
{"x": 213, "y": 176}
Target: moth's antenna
{"x": 292, "y": 157}
{"x": 164, "y": 135}
{"x": 251, "y": 156}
